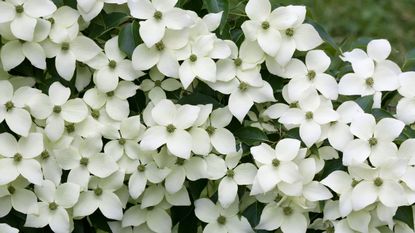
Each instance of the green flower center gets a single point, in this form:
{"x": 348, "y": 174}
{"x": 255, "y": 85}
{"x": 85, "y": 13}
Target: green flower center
{"x": 354, "y": 183}
{"x": 98, "y": 191}
{"x": 289, "y": 32}
{"x": 57, "y": 109}
{"x": 311, "y": 74}
{"x": 158, "y": 15}
{"x": 157, "y": 83}
{"x": 171, "y": 128}
{"x": 141, "y": 168}
{"x": 230, "y": 173}
{"x": 9, "y": 106}
{"x": 19, "y": 9}
{"x": 17, "y": 158}
{"x": 369, "y": 82}
{"x": 44, "y": 155}
{"x": 294, "y": 105}
{"x": 210, "y": 130}
{"x": 275, "y": 162}
{"x": 243, "y": 86}
{"x": 11, "y": 189}
{"x": 122, "y": 141}
{"x": 180, "y": 161}
{"x": 112, "y": 64}
{"x": 309, "y": 115}
{"x": 70, "y": 128}
{"x": 53, "y": 206}
{"x": 51, "y": 20}
{"x": 95, "y": 114}
{"x": 110, "y": 94}
{"x": 193, "y": 58}
{"x": 373, "y": 141}
{"x": 84, "y": 161}
{"x": 160, "y": 46}
{"x": 237, "y": 62}
{"x": 221, "y": 220}
{"x": 65, "y": 46}
{"x": 378, "y": 182}
{"x": 265, "y": 25}
{"x": 287, "y": 210}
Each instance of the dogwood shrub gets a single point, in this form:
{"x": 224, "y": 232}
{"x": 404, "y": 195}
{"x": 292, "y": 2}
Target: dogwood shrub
{"x": 208, "y": 116}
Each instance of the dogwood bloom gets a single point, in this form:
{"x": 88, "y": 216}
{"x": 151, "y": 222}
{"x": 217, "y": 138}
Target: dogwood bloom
{"x": 170, "y": 129}
{"x": 158, "y": 16}
{"x": 375, "y": 140}
{"x": 311, "y": 75}
{"x": 52, "y": 210}
{"x": 220, "y": 219}
{"x": 18, "y": 158}
{"x": 101, "y": 196}
{"x": 288, "y": 218}
{"x": 8, "y": 229}
{"x": 23, "y": 16}
{"x": 150, "y": 217}
{"x": 90, "y": 9}
{"x": 158, "y": 84}
{"x": 15, "y": 195}
{"x": 11, "y": 108}
{"x": 404, "y": 108}
{"x": 84, "y": 158}
{"x": 276, "y": 165}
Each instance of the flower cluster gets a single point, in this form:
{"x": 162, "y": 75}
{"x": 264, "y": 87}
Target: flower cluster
{"x": 181, "y": 130}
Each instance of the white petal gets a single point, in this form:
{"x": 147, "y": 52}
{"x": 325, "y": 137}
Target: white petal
{"x": 351, "y": 84}
{"x": 263, "y": 153}
{"x": 55, "y": 127}
{"x": 315, "y": 191}
{"x": 12, "y": 55}
{"x": 310, "y": 132}
{"x": 8, "y": 171}
{"x": 151, "y": 31}
{"x": 338, "y": 181}
{"x": 59, "y": 221}
{"x": 84, "y": 48}
{"x": 363, "y": 126}
{"x": 295, "y": 223}
{"x": 106, "y": 79}
{"x": 268, "y": 177}
{"x": 65, "y": 63}
{"x": 74, "y": 111}
{"x": 392, "y": 194}
{"x": 379, "y": 49}
{"x": 306, "y": 37}
{"x": 258, "y": 10}
{"x": 227, "y": 190}
{"x": 287, "y": 149}
{"x": 164, "y": 112}
{"x": 137, "y": 184}
{"x": 245, "y": 173}
{"x": 270, "y": 41}
{"x": 318, "y": 61}
{"x": 31, "y": 170}
{"x": 179, "y": 143}
{"x": 388, "y": 129}
{"x": 152, "y": 196}
{"x": 112, "y": 50}
{"x": 177, "y": 19}
{"x": 186, "y": 74}
{"x": 168, "y": 65}
{"x": 144, "y": 58}
{"x": 153, "y": 138}
{"x": 355, "y": 152}
{"x": 141, "y": 9}
{"x": 23, "y": 27}
{"x": 31, "y": 146}
{"x": 271, "y": 218}
{"x": 23, "y": 199}
{"x": 102, "y": 165}
{"x": 117, "y": 109}
{"x": 174, "y": 181}
{"x": 201, "y": 141}
{"x": 223, "y": 141}
{"x": 35, "y": 54}
{"x": 19, "y": 121}
{"x": 186, "y": 116}
{"x": 8, "y": 145}
{"x": 157, "y": 216}
{"x": 67, "y": 195}
{"x": 205, "y": 210}
{"x": 111, "y": 206}
{"x": 363, "y": 195}
{"x": 86, "y": 205}
{"x": 239, "y": 104}
{"x": 39, "y": 8}
{"x": 205, "y": 69}
{"x": 8, "y": 12}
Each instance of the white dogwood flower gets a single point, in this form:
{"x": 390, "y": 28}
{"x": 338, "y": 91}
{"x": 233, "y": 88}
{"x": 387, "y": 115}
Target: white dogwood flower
{"x": 159, "y": 16}
{"x": 15, "y": 195}
{"x": 150, "y": 217}
{"x": 158, "y": 85}
{"x": 405, "y": 107}
{"x": 52, "y": 208}
{"x": 219, "y": 219}
{"x": 23, "y": 15}
{"x": 19, "y": 158}
{"x": 170, "y": 129}
{"x": 276, "y": 165}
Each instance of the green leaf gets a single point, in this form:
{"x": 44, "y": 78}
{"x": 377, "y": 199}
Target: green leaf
{"x": 325, "y": 35}
{"x": 365, "y": 102}
{"x": 198, "y": 98}
{"x": 215, "y": 6}
{"x": 251, "y": 136}
{"x": 128, "y": 38}
{"x": 406, "y": 215}
{"x": 379, "y": 114}
{"x": 331, "y": 166}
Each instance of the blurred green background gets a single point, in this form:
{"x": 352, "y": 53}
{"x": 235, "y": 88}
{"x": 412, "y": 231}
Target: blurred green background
{"x": 352, "y": 20}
